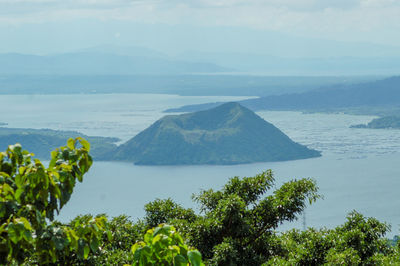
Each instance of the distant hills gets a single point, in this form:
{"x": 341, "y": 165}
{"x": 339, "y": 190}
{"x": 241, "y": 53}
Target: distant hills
{"x": 185, "y": 84}
{"x": 42, "y": 141}
{"x": 269, "y": 64}
{"x": 124, "y": 51}
{"x": 95, "y": 62}
{"x": 227, "y": 134}
{"x": 135, "y": 69}
{"x": 382, "y": 93}
{"x": 135, "y": 60}
{"x": 101, "y": 61}
{"x": 381, "y": 123}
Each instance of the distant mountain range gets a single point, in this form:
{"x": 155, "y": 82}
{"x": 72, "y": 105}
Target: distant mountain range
{"x": 97, "y": 62}
{"x": 134, "y": 60}
{"x": 381, "y": 93}
{"x": 228, "y": 134}
{"x": 279, "y": 65}
{"x": 187, "y": 84}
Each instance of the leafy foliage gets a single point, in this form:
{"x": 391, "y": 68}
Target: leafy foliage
{"x": 164, "y": 246}
{"x": 117, "y": 249}
{"x": 238, "y": 222}
{"x": 358, "y": 242}
{"x": 30, "y": 194}
{"x": 162, "y": 211}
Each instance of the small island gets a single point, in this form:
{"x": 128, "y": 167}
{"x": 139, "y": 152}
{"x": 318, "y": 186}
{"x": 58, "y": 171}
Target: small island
{"x": 226, "y": 134}
{"x": 381, "y": 123}
{"x": 2, "y": 124}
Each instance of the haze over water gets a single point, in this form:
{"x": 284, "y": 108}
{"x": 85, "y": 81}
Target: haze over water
{"x": 355, "y": 172}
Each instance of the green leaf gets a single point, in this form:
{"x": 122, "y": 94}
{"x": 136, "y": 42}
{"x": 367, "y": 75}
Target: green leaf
{"x": 109, "y": 236}
{"x": 53, "y": 255}
{"x": 180, "y": 260}
{"x": 94, "y": 244}
{"x": 195, "y": 258}
{"x": 71, "y": 143}
{"x": 81, "y": 245}
{"x": 19, "y": 180}
{"x": 59, "y": 243}
{"x": 18, "y": 193}
{"x": 137, "y": 252}
{"x": 3, "y": 209}
{"x": 7, "y": 189}
{"x": 80, "y": 177}
{"x": 85, "y": 144}
{"x": 27, "y": 235}
{"x": 86, "y": 251}
{"x": 148, "y": 237}
{"x": 13, "y": 233}
{"x": 136, "y": 246}
{"x": 25, "y": 222}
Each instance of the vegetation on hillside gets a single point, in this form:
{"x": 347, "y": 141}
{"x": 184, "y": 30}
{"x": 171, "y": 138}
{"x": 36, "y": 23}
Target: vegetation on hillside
{"x": 236, "y": 225}
{"x": 382, "y": 122}
{"x": 227, "y": 134}
{"x": 43, "y": 141}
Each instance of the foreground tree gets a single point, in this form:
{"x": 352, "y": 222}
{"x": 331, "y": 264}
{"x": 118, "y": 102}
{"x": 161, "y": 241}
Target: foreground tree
{"x": 359, "y": 241}
{"x": 237, "y": 223}
{"x": 30, "y": 195}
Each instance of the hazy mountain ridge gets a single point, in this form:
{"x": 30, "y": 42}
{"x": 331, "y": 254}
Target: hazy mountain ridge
{"x": 228, "y": 134}
{"x": 204, "y": 85}
{"x": 312, "y": 65}
{"x": 123, "y": 51}
{"x": 99, "y": 63}
{"x": 381, "y": 93}
{"x": 129, "y": 60}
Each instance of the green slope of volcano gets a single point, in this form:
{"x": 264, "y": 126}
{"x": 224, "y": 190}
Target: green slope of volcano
{"x": 227, "y": 134}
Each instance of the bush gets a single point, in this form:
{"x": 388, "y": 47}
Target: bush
{"x": 238, "y": 222}
{"x": 30, "y": 194}
{"x": 163, "y": 245}
{"x": 359, "y": 241}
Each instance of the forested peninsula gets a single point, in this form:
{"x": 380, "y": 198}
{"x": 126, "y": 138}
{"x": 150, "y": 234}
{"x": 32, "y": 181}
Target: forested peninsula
{"x": 382, "y": 123}
{"x": 42, "y": 141}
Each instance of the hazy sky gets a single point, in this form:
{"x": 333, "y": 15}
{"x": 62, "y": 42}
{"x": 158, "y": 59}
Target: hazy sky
{"x": 59, "y": 25}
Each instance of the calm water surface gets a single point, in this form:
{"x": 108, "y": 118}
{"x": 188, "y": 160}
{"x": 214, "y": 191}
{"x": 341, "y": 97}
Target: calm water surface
{"x": 358, "y": 170}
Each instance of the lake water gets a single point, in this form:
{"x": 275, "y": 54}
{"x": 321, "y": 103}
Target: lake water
{"x": 358, "y": 170}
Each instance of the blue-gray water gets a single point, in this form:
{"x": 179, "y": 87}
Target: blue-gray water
{"x": 358, "y": 170}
